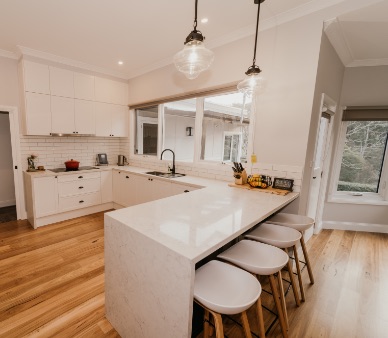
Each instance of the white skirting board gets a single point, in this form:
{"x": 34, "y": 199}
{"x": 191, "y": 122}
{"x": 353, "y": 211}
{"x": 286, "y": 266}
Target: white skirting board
{"x": 7, "y": 203}
{"x": 366, "y": 227}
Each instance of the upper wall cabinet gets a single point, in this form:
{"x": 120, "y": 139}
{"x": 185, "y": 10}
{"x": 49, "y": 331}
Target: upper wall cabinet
{"x": 83, "y": 86}
{"x": 36, "y": 77}
{"x": 109, "y": 91}
{"x": 61, "y": 82}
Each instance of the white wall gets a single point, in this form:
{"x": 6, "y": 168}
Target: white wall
{"x": 362, "y": 86}
{"x": 7, "y": 188}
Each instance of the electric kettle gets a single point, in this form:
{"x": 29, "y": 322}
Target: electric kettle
{"x": 122, "y": 160}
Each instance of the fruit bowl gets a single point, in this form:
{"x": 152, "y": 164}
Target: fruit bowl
{"x": 259, "y": 181}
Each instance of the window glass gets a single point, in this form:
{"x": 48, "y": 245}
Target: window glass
{"x": 363, "y": 156}
{"x": 178, "y": 129}
{"x": 146, "y": 140}
{"x": 224, "y": 134}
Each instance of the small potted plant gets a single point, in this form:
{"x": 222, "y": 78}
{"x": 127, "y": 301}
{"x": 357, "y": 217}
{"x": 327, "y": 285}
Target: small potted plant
{"x": 31, "y": 163}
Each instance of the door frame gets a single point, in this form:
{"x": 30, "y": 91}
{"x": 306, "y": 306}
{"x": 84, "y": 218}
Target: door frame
{"x": 16, "y": 159}
{"x": 329, "y": 106}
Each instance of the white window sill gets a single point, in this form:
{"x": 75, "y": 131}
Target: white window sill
{"x": 348, "y": 198}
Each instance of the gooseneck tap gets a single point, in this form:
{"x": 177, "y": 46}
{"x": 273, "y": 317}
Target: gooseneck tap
{"x": 173, "y": 160}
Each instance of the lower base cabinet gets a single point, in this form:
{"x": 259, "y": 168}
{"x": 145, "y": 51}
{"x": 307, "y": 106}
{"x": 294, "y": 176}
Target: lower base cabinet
{"x": 124, "y": 188}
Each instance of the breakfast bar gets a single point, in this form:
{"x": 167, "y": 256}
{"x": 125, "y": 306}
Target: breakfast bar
{"x": 151, "y": 251}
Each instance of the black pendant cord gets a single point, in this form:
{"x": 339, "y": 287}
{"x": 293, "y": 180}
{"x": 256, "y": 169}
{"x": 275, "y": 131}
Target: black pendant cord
{"x": 195, "y": 18}
{"x": 257, "y": 30}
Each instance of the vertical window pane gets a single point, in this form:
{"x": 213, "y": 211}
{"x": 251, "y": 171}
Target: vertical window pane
{"x": 224, "y": 135}
{"x": 146, "y": 140}
{"x": 178, "y": 129}
{"x": 363, "y": 156}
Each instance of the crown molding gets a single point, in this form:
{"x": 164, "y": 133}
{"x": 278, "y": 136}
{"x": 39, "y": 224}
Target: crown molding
{"x": 69, "y": 62}
{"x": 7, "y": 54}
{"x": 368, "y": 63}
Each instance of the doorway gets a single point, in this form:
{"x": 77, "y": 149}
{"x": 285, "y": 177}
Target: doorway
{"x": 11, "y": 175}
{"x": 319, "y": 176}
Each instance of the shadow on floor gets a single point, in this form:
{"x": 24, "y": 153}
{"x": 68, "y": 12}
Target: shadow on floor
{"x": 8, "y": 214}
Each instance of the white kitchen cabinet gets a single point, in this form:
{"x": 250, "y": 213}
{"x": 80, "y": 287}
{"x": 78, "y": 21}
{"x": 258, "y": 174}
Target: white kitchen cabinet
{"x": 124, "y": 188}
{"x": 150, "y": 189}
{"x": 36, "y": 77}
{"x": 83, "y": 86}
{"x": 62, "y": 114}
{"x": 102, "y": 89}
{"x": 106, "y": 186}
{"x": 119, "y": 93}
{"x": 38, "y": 114}
{"x": 84, "y": 117}
{"x": 45, "y": 196}
{"x": 61, "y": 82}
{"x": 111, "y": 120}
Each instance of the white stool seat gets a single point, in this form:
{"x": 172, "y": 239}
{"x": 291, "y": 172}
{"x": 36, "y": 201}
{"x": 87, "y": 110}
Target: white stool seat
{"x": 255, "y": 257}
{"x": 224, "y": 288}
{"x": 276, "y": 235}
{"x": 297, "y": 222}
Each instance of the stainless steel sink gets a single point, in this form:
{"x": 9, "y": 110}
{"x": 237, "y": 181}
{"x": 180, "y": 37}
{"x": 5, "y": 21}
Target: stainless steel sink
{"x": 165, "y": 175}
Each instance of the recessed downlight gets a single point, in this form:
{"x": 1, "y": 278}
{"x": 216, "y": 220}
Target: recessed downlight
{"x": 204, "y": 20}
{"x": 120, "y": 63}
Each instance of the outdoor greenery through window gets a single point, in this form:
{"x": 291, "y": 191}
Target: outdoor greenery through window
{"x": 363, "y": 156}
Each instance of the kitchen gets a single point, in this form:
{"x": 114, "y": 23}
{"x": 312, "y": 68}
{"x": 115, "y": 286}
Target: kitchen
{"x": 284, "y": 50}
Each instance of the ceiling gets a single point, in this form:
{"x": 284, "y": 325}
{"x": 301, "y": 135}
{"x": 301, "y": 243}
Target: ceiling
{"x": 360, "y": 37}
{"x": 143, "y": 34}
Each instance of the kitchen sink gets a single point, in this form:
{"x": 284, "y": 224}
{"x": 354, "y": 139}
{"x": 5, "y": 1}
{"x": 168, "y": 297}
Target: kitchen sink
{"x": 165, "y": 175}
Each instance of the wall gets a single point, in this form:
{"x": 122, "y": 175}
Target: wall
{"x": 329, "y": 81}
{"x": 362, "y": 86}
{"x": 7, "y": 190}
{"x": 9, "y": 92}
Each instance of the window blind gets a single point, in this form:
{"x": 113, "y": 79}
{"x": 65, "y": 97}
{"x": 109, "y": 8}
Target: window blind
{"x": 370, "y": 113}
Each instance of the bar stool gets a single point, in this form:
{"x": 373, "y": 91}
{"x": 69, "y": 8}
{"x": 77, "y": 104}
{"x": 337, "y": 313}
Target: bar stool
{"x": 221, "y": 288}
{"x": 264, "y": 260}
{"x": 300, "y": 223}
{"x": 283, "y": 238}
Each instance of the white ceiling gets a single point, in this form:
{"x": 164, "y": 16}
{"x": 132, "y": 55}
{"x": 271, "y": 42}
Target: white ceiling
{"x": 360, "y": 37}
{"x": 144, "y": 34}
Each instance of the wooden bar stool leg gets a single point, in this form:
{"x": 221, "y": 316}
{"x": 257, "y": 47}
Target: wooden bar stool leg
{"x": 299, "y": 273}
{"x": 306, "y": 257}
{"x": 282, "y": 299}
{"x": 218, "y": 324}
{"x": 206, "y": 332}
{"x": 278, "y": 306}
{"x": 261, "y": 318}
{"x": 245, "y": 324}
{"x": 294, "y": 289}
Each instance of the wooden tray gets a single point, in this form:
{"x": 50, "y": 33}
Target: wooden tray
{"x": 269, "y": 190}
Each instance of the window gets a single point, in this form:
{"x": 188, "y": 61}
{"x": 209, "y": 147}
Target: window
{"x": 213, "y": 129}
{"x": 146, "y": 140}
{"x": 224, "y": 134}
{"x": 362, "y": 159}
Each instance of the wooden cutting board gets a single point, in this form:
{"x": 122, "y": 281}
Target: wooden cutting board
{"x": 269, "y": 190}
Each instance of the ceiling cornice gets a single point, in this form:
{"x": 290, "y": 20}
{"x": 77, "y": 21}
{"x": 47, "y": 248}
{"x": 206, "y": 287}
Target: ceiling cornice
{"x": 7, "y": 54}
{"x": 69, "y": 62}
{"x": 368, "y": 63}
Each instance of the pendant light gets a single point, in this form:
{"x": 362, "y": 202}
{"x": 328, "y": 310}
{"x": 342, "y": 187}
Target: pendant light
{"x": 195, "y": 57}
{"x": 253, "y": 82}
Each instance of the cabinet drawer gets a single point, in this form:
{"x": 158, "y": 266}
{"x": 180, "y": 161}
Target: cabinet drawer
{"x": 82, "y": 186}
{"x": 78, "y": 177}
{"x": 79, "y": 201}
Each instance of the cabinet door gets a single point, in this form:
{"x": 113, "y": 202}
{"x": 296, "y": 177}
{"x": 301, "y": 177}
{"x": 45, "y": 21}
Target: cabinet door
{"x": 119, "y": 120}
{"x": 38, "y": 114}
{"x": 45, "y": 196}
{"x": 117, "y": 187}
{"x": 85, "y": 122}
{"x": 106, "y": 186}
{"x": 62, "y": 114}
{"x": 143, "y": 189}
{"x": 160, "y": 189}
{"x": 103, "y": 119}
{"x": 129, "y": 189}
{"x": 103, "y": 89}
{"x": 36, "y": 77}
{"x": 61, "y": 82}
{"x": 83, "y": 86}
{"x": 119, "y": 93}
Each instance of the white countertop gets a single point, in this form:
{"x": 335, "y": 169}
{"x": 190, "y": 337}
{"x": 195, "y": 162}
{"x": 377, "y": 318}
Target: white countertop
{"x": 196, "y": 224}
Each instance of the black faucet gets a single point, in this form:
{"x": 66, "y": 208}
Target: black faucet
{"x": 173, "y": 160}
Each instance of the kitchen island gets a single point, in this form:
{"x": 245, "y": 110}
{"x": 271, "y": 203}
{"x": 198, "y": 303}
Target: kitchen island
{"x": 151, "y": 251}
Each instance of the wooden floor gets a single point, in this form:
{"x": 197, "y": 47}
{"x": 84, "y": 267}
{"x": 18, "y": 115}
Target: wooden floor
{"x": 52, "y": 284}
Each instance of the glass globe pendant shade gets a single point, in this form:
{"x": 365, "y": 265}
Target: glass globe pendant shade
{"x": 193, "y": 59}
{"x": 252, "y": 84}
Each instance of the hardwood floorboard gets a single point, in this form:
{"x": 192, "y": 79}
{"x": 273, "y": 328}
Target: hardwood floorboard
{"x": 52, "y": 284}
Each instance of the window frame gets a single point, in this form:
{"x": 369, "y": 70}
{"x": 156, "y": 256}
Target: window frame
{"x": 197, "y": 134}
{"x": 373, "y": 198}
